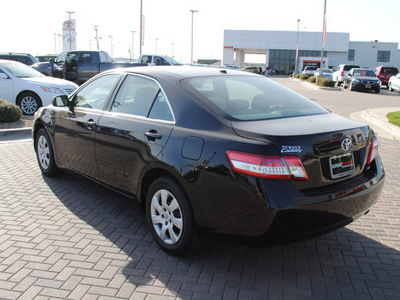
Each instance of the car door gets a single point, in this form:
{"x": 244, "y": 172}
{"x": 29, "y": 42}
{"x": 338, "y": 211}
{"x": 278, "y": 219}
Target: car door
{"x": 75, "y": 126}
{"x": 88, "y": 65}
{"x": 132, "y": 132}
{"x": 6, "y": 86}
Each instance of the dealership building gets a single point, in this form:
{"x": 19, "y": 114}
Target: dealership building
{"x": 279, "y": 48}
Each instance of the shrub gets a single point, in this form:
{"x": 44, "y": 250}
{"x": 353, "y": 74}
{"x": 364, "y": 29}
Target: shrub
{"x": 9, "y": 112}
{"x": 312, "y": 79}
{"x": 297, "y": 76}
{"x": 304, "y": 76}
{"x": 325, "y": 82}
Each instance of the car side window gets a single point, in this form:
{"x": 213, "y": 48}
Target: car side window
{"x": 138, "y": 95}
{"x": 95, "y": 94}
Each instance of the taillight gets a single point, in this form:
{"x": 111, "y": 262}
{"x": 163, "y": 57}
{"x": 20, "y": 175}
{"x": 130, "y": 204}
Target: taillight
{"x": 342, "y": 74}
{"x": 267, "y": 167}
{"x": 373, "y": 150}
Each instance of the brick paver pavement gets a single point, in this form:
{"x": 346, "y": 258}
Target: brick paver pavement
{"x": 69, "y": 238}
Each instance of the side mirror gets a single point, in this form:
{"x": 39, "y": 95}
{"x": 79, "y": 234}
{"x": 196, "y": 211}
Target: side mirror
{"x": 60, "y": 101}
{"x": 51, "y": 60}
{"x": 3, "y": 76}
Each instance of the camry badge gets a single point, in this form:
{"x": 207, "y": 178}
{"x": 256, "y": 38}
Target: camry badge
{"x": 346, "y": 144}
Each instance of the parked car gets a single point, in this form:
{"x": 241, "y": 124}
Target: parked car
{"x": 394, "y": 83}
{"x": 256, "y": 70}
{"x": 24, "y": 58}
{"x": 384, "y": 74}
{"x": 341, "y": 72}
{"x": 362, "y": 80}
{"x": 46, "y": 58}
{"x": 213, "y": 149}
{"x": 309, "y": 70}
{"x": 79, "y": 66}
{"x": 325, "y": 72}
{"x": 28, "y": 88}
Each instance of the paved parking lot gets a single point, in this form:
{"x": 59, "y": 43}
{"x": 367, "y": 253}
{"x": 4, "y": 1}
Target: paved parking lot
{"x": 68, "y": 238}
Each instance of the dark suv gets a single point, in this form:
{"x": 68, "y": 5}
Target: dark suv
{"x": 24, "y": 58}
{"x": 384, "y": 73}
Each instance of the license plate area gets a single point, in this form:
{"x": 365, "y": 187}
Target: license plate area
{"x": 342, "y": 165}
{"x": 367, "y": 86}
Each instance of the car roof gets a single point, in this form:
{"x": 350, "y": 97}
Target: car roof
{"x": 181, "y": 72}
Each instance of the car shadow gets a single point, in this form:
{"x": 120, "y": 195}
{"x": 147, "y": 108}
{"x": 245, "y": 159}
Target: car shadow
{"x": 341, "y": 264}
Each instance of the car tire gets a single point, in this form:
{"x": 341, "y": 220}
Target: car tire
{"x": 45, "y": 154}
{"x": 29, "y": 103}
{"x": 170, "y": 217}
{"x": 338, "y": 83}
{"x": 377, "y": 90}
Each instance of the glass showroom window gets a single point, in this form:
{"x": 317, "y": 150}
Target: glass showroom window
{"x": 383, "y": 56}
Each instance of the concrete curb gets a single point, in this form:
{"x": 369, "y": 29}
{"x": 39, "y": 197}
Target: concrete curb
{"x": 15, "y": 131}
{"x": 378, "y": 116}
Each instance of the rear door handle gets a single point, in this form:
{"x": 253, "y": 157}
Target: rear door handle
{"x": 153, "y": 135}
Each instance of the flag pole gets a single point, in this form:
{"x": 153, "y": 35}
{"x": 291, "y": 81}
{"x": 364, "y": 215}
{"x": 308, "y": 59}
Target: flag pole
{"x": 323, "y": 36}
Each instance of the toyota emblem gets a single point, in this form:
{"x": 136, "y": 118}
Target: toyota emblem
{"x": 346, "y": 144}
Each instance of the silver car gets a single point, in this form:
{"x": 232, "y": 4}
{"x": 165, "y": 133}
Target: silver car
{"x": 325, "y": 72}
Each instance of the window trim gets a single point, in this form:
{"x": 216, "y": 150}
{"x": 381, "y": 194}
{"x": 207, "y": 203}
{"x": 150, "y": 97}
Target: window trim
{"x": 118, "y": 88}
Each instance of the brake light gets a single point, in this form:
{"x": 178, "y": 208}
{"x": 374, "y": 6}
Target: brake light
{"x": 342, "y": 74}
{"x": 373, "y": 150}
{"x": 267, "y": 167}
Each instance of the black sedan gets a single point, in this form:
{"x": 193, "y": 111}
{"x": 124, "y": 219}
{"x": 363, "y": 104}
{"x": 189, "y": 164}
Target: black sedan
{"x": 362, "y": 80}
{"x": 206, "y": 149}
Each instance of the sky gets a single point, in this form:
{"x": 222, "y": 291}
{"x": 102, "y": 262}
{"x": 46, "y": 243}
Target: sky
{"x": 31, "y": 26}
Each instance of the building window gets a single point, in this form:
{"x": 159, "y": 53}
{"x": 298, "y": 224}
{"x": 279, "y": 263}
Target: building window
{"x": 383, "y": 56}
{"x": 351, "y": 55}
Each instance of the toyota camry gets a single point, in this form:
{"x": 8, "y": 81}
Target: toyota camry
{"x": 217, "y": 150}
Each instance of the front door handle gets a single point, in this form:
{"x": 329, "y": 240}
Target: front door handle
{"x": 90, "y": 124}
{"x": 153, "y": 135}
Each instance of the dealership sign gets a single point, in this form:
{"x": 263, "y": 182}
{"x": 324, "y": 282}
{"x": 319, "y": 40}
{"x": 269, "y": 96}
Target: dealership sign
{"x": 69, "y": 35}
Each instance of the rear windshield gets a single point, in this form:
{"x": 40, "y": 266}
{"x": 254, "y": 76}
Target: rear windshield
{"x": 250, "y": 97}
{"x": 349, "y": 67}
{"x": 389, "y": 70}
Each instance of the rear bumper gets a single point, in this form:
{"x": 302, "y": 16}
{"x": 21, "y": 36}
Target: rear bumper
{"x": 271, "y": 211}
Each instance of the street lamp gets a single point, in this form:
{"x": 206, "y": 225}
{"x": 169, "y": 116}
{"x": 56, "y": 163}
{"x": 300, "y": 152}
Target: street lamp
{"x": 172, "y": 52}
{"x": 191, "y": 53}
{"x": 296, "y": 67}
{"x": 69, "y": 26}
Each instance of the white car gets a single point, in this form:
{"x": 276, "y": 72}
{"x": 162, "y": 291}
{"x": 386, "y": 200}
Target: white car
{"x": 28, "y": 88}
{"x": 394, "y": 83}
{"x": 341, "y": 72}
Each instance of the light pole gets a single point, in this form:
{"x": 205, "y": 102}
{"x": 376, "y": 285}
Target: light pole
{"x": 132, "y": 54}
{"x": 156, "y": 44}
{"x": 97, "y": 36}
{"x": 69, "y": 27}
{"x": 172, "y": 52}
{"x": 296, "y": 67}
{"x": 141, "y": 27}
{"x": 111, "y": 39}
{"x": 191, "y": 49}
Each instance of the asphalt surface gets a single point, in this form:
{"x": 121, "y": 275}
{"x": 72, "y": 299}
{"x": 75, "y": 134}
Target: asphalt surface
{"x": 69, "y": 238}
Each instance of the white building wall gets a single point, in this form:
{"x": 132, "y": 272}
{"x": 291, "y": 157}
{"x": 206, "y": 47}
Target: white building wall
{"x": 239, "y": 42}
{"x": 366, "y": 53}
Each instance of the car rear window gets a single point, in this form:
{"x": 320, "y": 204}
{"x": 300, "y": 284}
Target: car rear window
{"x": 389, "y": 70}
{"x": 349, "y": 67}
{"x": 250, "y": 97}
